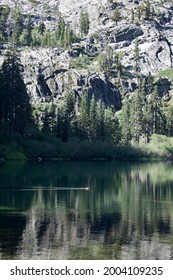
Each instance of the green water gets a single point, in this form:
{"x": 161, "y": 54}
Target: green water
{"x": 126, "y": 212}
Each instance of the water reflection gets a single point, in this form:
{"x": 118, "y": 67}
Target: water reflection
{"x": 126, "y": 214}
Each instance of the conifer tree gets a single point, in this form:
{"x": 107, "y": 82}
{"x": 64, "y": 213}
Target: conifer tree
{"x": 146, "y": 116}
{"x": 112, "y": 127}
{"x": 158, "y": 118}
{"x": 60, "y": 29}
{"x": 136, "y": 118}
{"x": 100, "y": 120}
{"x": 132, "y": 15}
{"x": 136, "y": 57}
{"x": 83, "y": 118}
{"x": 4, "y": 13}
{"x": 46, "y": 123}
{"x": 15, "y": 108}
{"x": 147, "y": 9}
{"x": 29, "y": 30}
{"x": 65, "y": 116}
{"x": 125, "y": 122}
{"x": 119, "y": 64}
{"x": 41, "y": 28}
{"x": 169, "y": 121}
{"x": 116, "y": 16}
{"x": 92, "y": 118}
{"x": 84, "y": 23}
{"x": 18, "y": 27}
{"x": 139, "y": 13}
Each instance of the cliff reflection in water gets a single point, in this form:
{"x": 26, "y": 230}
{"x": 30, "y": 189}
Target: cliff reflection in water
{"x": 126, "y": 214}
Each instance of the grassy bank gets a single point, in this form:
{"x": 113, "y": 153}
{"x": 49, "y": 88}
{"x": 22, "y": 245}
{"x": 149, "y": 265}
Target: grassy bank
{"x": 159, "y": 147}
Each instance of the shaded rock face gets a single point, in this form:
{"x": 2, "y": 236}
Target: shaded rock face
{"x": 52, "y": 83}
{"x": 103, "y": 89}
{"x": 128, "y": 34}
{"x": 164, "y": 86}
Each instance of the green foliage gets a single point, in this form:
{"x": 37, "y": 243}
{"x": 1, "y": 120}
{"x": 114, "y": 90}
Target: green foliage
{"x": 11, "y": 152}
{"x": 116, "y": 16}
{"x": 84, "y": 23}
{"x": 169, "y": 120}
{"x": 147, "y": 9}
{"x": 24, "y": 32}
{"x": 81, "y": 62}
{"x": 132, "y": 15}
{"x": 166, "y": 73}
{"x": 4, "y": 13}
{"x": 137, "y": 58}
{"x": 15, "y": 109}
{"x": 106, "y": 59}
{"x": 18, "y": 25}
{"x": 125, "y": 123}
{"x": 35, "y": 2}
{"x": 156, "y": 111}
{"x": 136, "y": 119}
{"x": 65, "y": 116}
{"x": 161, "y": 145}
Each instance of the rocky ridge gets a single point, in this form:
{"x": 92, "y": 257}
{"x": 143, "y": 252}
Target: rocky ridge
{"x": 49, "y": 72}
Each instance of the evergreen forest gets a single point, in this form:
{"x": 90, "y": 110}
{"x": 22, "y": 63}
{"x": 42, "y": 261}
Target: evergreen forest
{"x": 83, "y": 128}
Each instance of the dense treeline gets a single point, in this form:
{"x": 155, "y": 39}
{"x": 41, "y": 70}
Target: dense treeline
{"x": 143, "y": 114}
{"x": 24, "y": 30}
{"x": 91, "y": 121}
{"x": 82, "y": 120}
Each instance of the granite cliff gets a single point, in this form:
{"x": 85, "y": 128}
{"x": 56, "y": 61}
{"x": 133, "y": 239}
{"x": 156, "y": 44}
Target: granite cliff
{"x": 52, "y": 71}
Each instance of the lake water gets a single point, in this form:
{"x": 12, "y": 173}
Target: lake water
{"x": 86, "y": 210}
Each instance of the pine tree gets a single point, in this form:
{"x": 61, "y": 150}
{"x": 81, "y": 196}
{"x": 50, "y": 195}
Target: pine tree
{"x": 158, "y": 118}
{"x": 29, "y": 30}
{"x": 84, "y": 118}
{"x": 60, "y": 30}
{"x": 169, "y": 121}
{"x": 139, "y": 13}
{"x": 18, "y": 27}
{"x": 92, "y": 119}
{"x": 125, "y": 122}
{"x": 41, "y": 28}
{"x": 65, "y": 116}
{"x": 36, "y": 38}
{"x": 137, "y": 58}
{"x": 84, "y": 23}
{"x": 25, "y": 38}
{"x": 109, "y": 56}
{"x": 136, "y": 118}
{"x": 4, "y": 13}
{"x": 146, "y": 116}
{"x": 116, "y": 16}
{"x": 132, "y": 15}
{"x": 103, "y": 62}
{"x": 119, "y": 64}
{"x": 100, "y": 121}
{"x": 16, "y": 109}
{"x": 147, "y": 9}
{"x": 46, "y": 123}
{"x": 112, "y": 126}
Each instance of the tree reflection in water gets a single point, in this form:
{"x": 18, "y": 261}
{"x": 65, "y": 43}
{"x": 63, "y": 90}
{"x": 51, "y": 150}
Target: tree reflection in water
{"x": 126, "y": 214}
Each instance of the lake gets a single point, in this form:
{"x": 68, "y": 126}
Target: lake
{"x": 86, "y": 210}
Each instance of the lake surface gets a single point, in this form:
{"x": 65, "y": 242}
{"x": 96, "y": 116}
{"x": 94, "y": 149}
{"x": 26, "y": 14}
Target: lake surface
{"x": 86, "y": 210}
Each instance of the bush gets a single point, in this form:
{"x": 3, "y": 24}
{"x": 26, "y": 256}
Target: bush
{"x": 10, "y": 152}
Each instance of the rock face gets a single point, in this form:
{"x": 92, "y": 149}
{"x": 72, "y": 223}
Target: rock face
{"x": 48, "y": 71}
{"x": 48, "y": 79}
